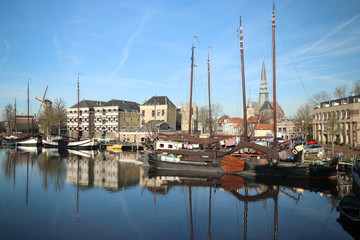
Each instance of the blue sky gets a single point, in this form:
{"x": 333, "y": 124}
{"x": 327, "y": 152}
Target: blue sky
{"x": 133, "y": 50}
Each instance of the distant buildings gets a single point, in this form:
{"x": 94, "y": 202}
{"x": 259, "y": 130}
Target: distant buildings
{"x": 347, "y": 115}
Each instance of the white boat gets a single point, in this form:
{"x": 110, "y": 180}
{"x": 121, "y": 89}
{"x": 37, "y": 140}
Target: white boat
{"x": 82, "y": 144}
{"x": 28, "y": 141}
{"x": 52, "y": 141}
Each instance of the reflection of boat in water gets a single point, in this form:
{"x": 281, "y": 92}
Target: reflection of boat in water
{"x": 84, "y": 153}
{"x": 29, "y": 149}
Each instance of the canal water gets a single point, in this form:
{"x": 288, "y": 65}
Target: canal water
{"x": 52, "y": 194}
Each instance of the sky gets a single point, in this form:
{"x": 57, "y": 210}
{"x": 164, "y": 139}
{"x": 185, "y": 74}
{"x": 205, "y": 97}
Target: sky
{"x": 133, "y": 50}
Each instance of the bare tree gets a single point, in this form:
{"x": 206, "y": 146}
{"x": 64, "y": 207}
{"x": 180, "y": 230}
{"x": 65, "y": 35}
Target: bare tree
{"x": 59, "y": 112}
{"x": 341, "y": 91}
{"x": 9, "y": 117}
{"x": 303, "y": 117}
{"x": 333, "y": 128}
{"x": 203, "y": 117}
{"x": 46, "y": 120}
{"x": 216, "y": 110}
{"x": 318, "y": 98}
{"x": 356, "y": 88}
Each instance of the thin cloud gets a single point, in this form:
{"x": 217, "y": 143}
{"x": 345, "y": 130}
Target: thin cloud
{"x": 115, "y": 10}
{"x": 6, "y": 54}
{"x": 126, "y": 50}
{"x": 329, "y": 34}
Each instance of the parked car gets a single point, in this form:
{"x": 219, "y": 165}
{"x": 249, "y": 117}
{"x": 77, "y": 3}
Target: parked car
{"x": 314, "y": 148}
{"x": 311, "y": 141}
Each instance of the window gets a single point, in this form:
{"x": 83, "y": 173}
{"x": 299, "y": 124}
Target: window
{"x": 109, "y": 110}
{"x": 152, "y": 113}
{"x": 104, "y": 111}
{"x": 280, "y": 129}
{"x": 114, "y": 129}
{"x": 163, "y": 113}
{"x": 158, "y": 113}
{"x": 347, "y": 113}
{"x": 284, "y": 129}
{"x": 143, "y": 113}
{"x": 70, "y": 111}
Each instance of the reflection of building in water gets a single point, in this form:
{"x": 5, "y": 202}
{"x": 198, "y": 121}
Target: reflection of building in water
{"x": 108, "y": 170}
{"x": 72, "y": 175}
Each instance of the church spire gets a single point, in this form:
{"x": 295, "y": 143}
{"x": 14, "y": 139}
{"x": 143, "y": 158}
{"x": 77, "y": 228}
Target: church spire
{"x": 249, "y": 101}
{"x": 264, "y": 92}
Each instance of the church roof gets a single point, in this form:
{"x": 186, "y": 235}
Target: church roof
{"x": 266, "y": 106}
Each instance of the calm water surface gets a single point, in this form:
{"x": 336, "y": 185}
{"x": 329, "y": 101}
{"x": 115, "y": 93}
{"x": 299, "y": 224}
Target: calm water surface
{"x": 47, "y": 194}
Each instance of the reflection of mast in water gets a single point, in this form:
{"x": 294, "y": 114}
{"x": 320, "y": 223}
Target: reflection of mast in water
{"x": 77, "y": 187}
{"x": 209, "y": 227}
{"x": 191, "y": 220}
{"x": 245, "y": 215}
{"x": 27, "y": 182}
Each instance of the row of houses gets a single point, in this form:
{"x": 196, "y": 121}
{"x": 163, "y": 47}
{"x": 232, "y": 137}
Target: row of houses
{"x": 120, "y": 120}
{"x": 346, "y": 112}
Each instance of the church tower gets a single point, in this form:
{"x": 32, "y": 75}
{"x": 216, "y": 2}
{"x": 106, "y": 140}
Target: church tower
{"x": 250, "y": 111}
{"x": 264, "y": 92}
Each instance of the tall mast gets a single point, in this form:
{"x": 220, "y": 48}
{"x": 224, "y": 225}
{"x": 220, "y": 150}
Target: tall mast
{"x": 243, "y": 81}
{"x": 209, "y": 92}
{"x": 78, "y": 93}
{"x": 28, "y": 123}
{"x": 154, "y": 121}
{"x": 191, "y": 83}
{"x": 274, "y": 74}
{"x": 15, "y": 116}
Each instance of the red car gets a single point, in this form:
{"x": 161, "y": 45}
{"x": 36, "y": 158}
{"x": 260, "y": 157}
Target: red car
{"x": 311, "y": 141}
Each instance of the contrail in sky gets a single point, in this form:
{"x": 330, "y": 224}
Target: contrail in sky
{"x": 5, "y": 58}
{"x": 337, "y": 29}
{"x": 125, "y": 51}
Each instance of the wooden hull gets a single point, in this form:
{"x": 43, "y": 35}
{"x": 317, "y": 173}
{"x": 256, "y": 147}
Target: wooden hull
{"x": 327, "y": 171}
{"x": 186, "y": 166}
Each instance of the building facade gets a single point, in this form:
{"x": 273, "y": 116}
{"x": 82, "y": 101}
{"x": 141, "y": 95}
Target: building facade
{"x": 159, "y": 108}
{"x": 103, "y": 119}
{"x": 82, "y": 126}
{"x": 346, "y": 111}
{"x": 115, "y": 117}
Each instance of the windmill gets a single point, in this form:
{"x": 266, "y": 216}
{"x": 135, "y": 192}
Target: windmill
{"x": 47, "y": 103}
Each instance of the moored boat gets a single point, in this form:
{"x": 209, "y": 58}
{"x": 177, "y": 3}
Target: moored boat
{"x": 115, "y": 147}
{"x": 356, "y": 178}
{"x": 83, "y": 144}
{"x": 28, "y": 141}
